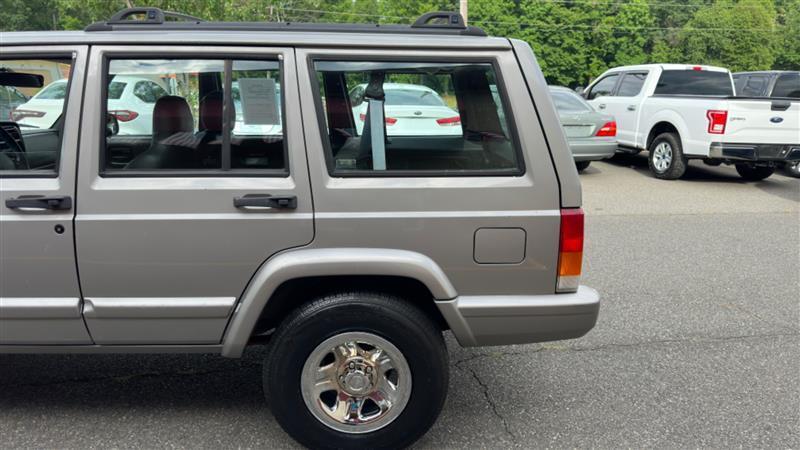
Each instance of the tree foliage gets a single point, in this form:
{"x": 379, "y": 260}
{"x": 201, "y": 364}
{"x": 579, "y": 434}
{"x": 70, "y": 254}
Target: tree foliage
{"x": 574, "y": 40}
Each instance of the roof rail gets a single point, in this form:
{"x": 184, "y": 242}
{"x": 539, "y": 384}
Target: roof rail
{"x": 152, "y": 16}
{"x": 442, "y": 22}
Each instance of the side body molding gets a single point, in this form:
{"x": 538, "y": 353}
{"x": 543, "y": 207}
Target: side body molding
{"x": 327, "y": 262}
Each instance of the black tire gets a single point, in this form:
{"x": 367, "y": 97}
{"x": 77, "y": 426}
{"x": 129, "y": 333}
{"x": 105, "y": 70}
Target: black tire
{"x": 754, "y": 173}
{"x": 676, "y": 166}
{"x": 582, "y": 165}
{"x": 793, "y": 169}
{"x": 412, "y": 332}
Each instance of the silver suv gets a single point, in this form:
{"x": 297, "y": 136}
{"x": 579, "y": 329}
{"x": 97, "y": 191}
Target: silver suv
{"x": 348, "y": 230}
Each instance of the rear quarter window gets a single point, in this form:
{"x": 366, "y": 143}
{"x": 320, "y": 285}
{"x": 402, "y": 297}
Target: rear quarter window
{"x": 694, "y": 82}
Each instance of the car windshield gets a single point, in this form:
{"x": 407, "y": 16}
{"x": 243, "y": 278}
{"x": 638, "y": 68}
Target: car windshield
{"x": 569, "y": 103}
{"x": 412, "y": 97}
{"x": 115, "y": 89}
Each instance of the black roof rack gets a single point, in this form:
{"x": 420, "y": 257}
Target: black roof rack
{"x": 442, "y": 22}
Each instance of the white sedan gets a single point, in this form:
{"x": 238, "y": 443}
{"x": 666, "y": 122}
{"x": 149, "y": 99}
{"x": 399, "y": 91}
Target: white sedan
{"x": 410, "y": 110}
{"x": 131, "y": 100}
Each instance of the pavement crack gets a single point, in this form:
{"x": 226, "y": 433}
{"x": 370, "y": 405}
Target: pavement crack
{"x": 488, "y": 396}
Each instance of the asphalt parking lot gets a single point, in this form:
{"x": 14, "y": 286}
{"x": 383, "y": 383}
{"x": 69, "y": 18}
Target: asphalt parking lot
{"x": 697, "y": 345}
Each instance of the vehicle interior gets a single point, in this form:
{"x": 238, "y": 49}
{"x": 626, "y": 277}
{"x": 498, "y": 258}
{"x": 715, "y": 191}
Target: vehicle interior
{"x": 26, "y": 147}
{"x": 187, "y": 133}
{"x": 482, "y": 145}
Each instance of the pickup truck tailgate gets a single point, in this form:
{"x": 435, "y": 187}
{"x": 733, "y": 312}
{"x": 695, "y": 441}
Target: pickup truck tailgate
{"x": 766, "y": 121}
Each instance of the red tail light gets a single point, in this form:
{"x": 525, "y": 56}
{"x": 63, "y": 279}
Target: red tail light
{"x": 124, "y": 115}
{"x": 716, "y": 121}
{"x": 697, "y": 68}
{"x": 609, "y": 129}
{"x": 570, "y": 250}
{"x": 449, "y": 121}
{"x": 18, "y": 114}
{"x": 388, "y": 120}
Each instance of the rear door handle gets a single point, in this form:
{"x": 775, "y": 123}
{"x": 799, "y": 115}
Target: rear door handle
{"x": 631, "y": 107}
{"x": 602, "y": 106}
{"x": 39, "y": 202}
{"x": 266, "y": 201}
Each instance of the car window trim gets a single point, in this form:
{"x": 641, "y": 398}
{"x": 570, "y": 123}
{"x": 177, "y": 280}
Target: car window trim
{"x": 312, "y": 58}
{"x": 72, "y": 56}
{"x": 103, "y": 172}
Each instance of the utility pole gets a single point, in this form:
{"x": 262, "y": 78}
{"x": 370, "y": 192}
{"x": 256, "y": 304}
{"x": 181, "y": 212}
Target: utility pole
{"x": 462, "y": 8}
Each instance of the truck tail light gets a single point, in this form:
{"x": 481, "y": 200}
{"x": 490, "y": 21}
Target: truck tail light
{"x": 570, "y": 250}
{"x": 608, "y": 130}
{"x": 18, "y": 114}
{"x": 124, "y": 115}
{"x": 449, "y": 121}
{"x": 389, "y": 120}
{"x": 716, "y": 121}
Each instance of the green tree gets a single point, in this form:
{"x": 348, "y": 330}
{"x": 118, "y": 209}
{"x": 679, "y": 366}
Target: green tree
{"x": 737, "y": 35}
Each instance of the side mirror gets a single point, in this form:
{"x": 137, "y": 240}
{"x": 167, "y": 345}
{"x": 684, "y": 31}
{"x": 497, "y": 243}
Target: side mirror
{"x": 112, "y": 125}
{"x": 580, "y": 91}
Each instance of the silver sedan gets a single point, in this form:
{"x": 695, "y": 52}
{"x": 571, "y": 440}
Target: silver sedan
{"x": 592, "y": 136}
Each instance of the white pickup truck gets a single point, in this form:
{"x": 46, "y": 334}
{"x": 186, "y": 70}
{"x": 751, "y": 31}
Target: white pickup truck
{"x": 679, "y": 112}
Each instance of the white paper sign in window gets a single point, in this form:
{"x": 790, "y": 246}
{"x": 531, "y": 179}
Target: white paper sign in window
{"x": 259, "y": 101}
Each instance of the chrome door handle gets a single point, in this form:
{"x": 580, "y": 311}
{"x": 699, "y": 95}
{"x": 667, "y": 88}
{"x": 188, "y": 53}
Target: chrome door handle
{"x": 631, "y": 107}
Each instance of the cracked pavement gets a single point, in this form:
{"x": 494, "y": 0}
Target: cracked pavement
{"x": 697, "y": 345}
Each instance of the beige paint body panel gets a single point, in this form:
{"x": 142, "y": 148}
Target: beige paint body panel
{"x": 37, "y": 265}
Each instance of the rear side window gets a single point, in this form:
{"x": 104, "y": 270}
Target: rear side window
{"x": 694, "y": 82}
{"x": 631, "y": 84}
{"x": 604, "y": 87}
{"x": 755, "y": 86}
{"x": 30, "y": 130}
{"x": 787, "y": 85}
{"x": 568, "y": 102}
{"x": 178, "y": 124}
{"x": 405, "y": 118}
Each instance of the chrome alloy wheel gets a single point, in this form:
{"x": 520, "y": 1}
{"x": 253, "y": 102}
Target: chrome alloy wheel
{"x": 662, "y": 157}
{"x": 356, "y": 382}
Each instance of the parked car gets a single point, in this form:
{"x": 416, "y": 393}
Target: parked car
{"x": 44, "y": 108}
{"x": 411, "y": 109}
{"x": 349, "y": 252}
{"x": 10, "y": 98}
{"x": 774, "y": 84}
{"x": 131, "y": 101}
{"x": 591, "y": 135}
{"x": 681, "y": 112}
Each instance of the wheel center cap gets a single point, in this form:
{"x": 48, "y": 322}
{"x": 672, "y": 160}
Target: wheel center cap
{"x": 356, "y": 382}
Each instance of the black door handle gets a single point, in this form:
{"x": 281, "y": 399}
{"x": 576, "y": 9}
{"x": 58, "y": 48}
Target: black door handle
{"x": 266, "y": 201}
{"x": 39, "y": 202}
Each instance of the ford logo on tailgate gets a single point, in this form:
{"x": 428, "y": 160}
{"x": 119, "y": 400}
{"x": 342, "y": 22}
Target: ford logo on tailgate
{"x": 776, "y": 119}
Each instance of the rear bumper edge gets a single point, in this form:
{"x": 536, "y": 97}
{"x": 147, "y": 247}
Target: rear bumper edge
{"x": 755, "y": 152}
{"x": 521, "y": 319}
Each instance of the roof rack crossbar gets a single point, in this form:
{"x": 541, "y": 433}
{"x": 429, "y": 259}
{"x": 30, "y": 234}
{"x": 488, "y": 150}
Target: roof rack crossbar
{"x": 441, "y": 22}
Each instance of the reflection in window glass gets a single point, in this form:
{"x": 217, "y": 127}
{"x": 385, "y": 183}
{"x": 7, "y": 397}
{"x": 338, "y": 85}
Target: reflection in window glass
{"x": 787, "y": 85}
{"x": 169, "y": 116}
{"x": 437, "y": 117}
{"x": 30, "y": 130}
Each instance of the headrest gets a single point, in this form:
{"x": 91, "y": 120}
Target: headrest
{"x": 171, "y": 115}
{"x": 211, "y": 112}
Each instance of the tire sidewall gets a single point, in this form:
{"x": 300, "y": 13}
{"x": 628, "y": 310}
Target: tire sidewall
{"x": 677, "y": 165}
{"x": 282, "y": 374}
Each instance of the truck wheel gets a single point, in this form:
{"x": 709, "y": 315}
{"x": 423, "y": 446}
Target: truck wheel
{"x": 357, "y": 369}
{"x": 666, "y": 158}
{"x": 754, "y": 173}
{"x": 582, "y": 165}
{"x": 793, "y": 169}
